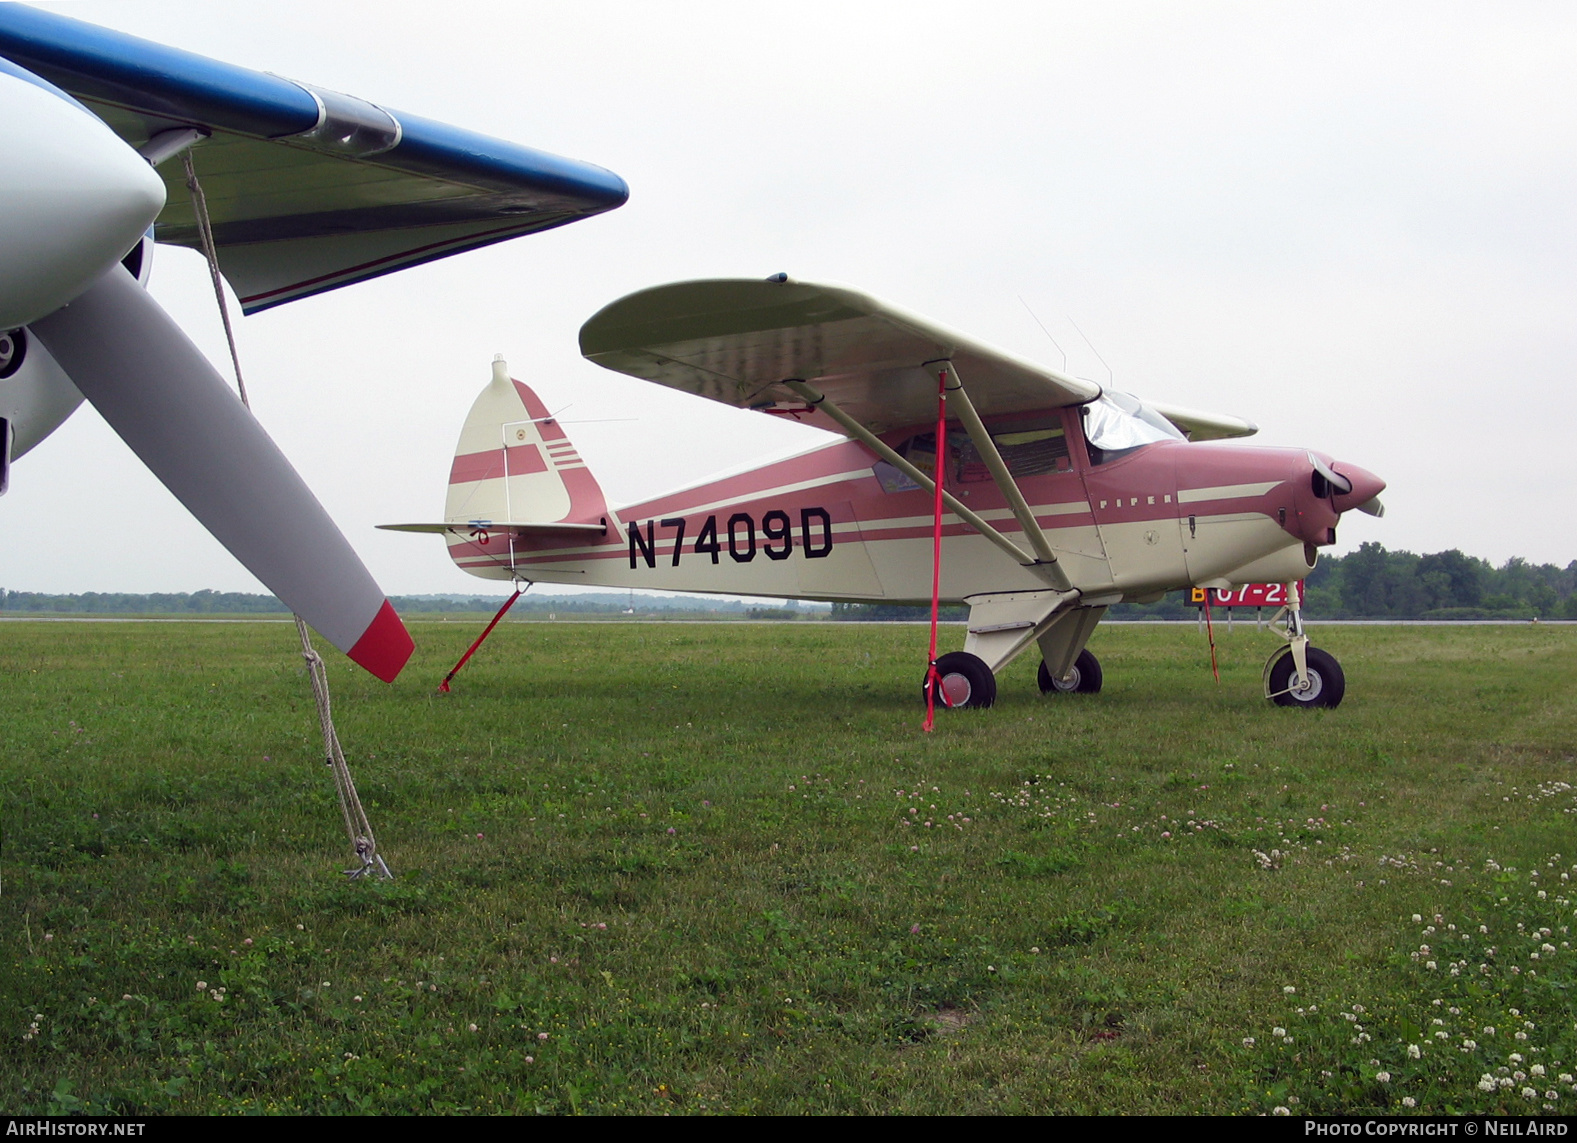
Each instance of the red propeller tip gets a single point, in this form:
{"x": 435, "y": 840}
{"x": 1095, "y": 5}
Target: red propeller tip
{"x": 385, "y": 646}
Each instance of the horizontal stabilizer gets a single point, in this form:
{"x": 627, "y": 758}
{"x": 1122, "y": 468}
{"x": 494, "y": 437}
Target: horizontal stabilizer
{"x": 467, "y": 527}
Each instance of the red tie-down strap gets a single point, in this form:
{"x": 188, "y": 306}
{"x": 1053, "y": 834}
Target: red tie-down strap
{"x": 933, "y": 681}
{"x": 443, "y": 687}
{"x": 1211, "y": 628}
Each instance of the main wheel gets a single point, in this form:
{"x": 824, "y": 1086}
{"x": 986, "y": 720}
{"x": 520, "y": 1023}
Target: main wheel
{"x": 1084, "y": 678}
{"x": 1324, "y": 686}
{"x": 967, "y": 683}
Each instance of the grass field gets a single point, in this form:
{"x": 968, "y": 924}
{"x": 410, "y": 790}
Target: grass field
{"x": 719, "y": 869}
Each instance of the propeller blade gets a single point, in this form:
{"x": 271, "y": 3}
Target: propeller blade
{"x": 153, "y": 386}
{"x": 1340, "y": 485}
{"x": 1371, "y": 506}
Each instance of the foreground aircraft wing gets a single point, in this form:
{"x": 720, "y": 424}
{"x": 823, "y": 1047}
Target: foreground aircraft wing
{"x": 736, "y": 340}
{"x": 308, "y": 189}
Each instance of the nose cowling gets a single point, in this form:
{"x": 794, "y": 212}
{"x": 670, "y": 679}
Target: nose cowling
{"x": 1366, "y": 486}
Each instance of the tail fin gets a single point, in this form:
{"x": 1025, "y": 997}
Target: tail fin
{"x": 516, "y": 465}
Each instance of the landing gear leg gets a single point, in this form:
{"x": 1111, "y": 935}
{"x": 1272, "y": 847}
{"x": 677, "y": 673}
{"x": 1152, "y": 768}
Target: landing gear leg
{"x": 1298, "y": 674}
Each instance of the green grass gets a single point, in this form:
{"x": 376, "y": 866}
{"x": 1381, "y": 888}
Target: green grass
{"x": 674, "y": 869}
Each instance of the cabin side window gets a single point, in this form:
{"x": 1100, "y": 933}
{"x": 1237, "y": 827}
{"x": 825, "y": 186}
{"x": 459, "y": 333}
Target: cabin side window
{"x": 1030, "y": 448}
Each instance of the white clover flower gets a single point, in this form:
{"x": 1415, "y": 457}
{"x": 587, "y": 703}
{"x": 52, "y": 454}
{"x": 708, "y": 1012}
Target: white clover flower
{"x": 1417, "y": 919}
{"x": 1281, "y": 1111}
{"x": 1409, "y": 1101}
{"x": 1414, "y": 1052}
{"x": 1486, "y": 1084}
{"x": 1430, "y": 965}
{"x": 1469, "y": 1045}
{"x": 1528, "y": 1093}
{"x": 1383, "y": 1077}
{"x": 1520, "y": 1035}
{"x": 1515, "y": 1057}
{"x": 1537, "y": 1069}
{"x": 1248, "y": 1041}
{"x": 1565, "y": 1077}
{"x": 1278, "y": 1032}
{"x": 1552, "y": 1095}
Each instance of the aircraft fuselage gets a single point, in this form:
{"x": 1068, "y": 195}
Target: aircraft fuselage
{"x": 838, "y": 523}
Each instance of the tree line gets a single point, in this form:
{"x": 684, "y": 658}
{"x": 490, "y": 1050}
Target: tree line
{"x": 1371, "y": 583}
{"x": 244, "y": 603}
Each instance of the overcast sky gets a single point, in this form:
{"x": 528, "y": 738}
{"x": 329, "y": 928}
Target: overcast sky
{"x": 1352, "y": 224}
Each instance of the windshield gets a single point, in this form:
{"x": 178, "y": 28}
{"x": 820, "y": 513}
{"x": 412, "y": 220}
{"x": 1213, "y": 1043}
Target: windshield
{"x": 1117, "y": 423}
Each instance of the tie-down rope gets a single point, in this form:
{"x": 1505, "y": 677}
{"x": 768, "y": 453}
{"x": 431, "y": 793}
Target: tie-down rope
{"x": 357, "y": 828}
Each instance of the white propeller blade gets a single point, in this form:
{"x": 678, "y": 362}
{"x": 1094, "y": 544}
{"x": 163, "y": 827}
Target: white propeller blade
{"x": 153, "y": 386}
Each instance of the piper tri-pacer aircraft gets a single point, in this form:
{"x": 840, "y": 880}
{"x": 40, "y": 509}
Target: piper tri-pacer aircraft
{"x": 306, "y": 190}
{"x": 1061, "y": 498}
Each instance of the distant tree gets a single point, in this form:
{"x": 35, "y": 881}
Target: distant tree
{"x": 1457, "y": 580}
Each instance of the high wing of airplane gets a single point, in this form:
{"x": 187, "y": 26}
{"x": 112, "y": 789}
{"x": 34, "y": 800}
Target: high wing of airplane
{"x": 1060, "y": 499}
{"x": 306, "y": 190}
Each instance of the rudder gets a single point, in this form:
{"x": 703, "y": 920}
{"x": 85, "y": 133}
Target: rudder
{"x": 514, "y": 463}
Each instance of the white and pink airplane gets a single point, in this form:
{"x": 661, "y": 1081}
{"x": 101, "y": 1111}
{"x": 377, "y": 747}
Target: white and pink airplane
{"x": 1060, "y": 498}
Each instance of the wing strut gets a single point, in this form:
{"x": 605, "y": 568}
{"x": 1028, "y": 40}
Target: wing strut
{"x": 1050, "y": 571}
{"x": 1000, "y": 474}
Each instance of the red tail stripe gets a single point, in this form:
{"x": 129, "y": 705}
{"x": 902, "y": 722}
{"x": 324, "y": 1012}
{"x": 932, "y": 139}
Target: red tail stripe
{"x": 470, "y": 467}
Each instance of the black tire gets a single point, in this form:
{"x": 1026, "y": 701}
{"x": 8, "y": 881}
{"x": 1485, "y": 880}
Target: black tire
{"x": 1326, "y": 684}
{"x": 967, "y": 683}
{"x": 1083, "y": 679}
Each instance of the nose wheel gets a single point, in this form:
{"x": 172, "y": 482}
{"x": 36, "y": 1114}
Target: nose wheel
{"x": 1322, "y": 684}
